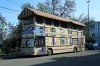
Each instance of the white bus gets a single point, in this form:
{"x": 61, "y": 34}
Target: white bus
{"x": 44, "y": 33}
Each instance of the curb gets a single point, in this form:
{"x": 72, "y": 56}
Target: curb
{"x": 10, "y": 56}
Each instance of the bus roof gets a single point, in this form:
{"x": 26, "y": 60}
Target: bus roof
{"x": 28, "y": 12}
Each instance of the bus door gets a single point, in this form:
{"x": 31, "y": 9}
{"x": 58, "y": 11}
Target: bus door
{"x": 79, "y": 44}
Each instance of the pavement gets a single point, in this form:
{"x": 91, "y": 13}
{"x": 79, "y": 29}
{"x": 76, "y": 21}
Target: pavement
{"x": 10, "y": 56}
{"x": 85, "y": 58}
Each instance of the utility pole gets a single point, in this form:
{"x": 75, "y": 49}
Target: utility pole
{"x": 88, "y": 17}
{"x": 54, "y": 4}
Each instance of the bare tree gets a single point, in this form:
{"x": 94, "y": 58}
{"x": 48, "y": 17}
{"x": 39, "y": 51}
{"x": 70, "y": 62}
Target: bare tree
{"x": 61, "y": 8}
{"x": 82, "y": 18}
{"x": 42, "y": 7}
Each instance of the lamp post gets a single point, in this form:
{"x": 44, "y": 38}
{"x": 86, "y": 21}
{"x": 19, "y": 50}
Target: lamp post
{"x": 53, "y": 3}
{"x": 88, "y": 17}
{"x": 16, "y": 41}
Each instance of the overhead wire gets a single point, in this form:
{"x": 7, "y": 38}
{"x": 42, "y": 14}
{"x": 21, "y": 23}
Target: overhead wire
{"x": 13, "y": 2}
{"x": 9, "y": 9}
{"x": 9, "y": 12}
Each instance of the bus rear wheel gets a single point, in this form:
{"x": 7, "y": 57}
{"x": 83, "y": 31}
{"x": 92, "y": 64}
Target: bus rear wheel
{"x": 49, "y": 52}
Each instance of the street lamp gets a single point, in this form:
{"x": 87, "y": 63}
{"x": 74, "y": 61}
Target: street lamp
{"x": 88, "y": 16}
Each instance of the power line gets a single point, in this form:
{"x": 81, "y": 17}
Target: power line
{"x": 9, "y": 12}
{"x": 13, "y": 2}
{"x": 9, "y": 9}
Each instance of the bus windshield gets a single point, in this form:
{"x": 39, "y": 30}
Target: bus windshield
{"x": 27, "y": 43}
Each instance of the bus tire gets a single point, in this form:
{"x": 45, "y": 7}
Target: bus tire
{"x": 49, "y": 52}
{"x": 75, "y": 50}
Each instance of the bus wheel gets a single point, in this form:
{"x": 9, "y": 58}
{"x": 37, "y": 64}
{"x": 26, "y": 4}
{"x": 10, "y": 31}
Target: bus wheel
{"x": 49, "y": 52}
{"x": 75, "y": 50}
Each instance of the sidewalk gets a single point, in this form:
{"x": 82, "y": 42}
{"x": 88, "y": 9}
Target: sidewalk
{"x": 10, "y": 56}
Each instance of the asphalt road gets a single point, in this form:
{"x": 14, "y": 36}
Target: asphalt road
{"x": 85, "y": 58}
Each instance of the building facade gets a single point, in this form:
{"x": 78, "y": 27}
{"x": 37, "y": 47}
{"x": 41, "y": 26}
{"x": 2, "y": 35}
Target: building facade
{"x": 95, "y": 30}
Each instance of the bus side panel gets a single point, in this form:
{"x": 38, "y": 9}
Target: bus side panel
{"x": 27, "y": 51}
{"x": 40, "y": 51}
{"x": 57, "y": 47}
{"x": 53, "y": 43}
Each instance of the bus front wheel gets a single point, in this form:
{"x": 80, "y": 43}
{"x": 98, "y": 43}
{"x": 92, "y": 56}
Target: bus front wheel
{"x": 49, "y": 52}
{"x": 75, "y": 50}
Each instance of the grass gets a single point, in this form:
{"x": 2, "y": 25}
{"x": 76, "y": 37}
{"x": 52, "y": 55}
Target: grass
{"x": 10, "y": 53}
{"x": 2, "y": 53}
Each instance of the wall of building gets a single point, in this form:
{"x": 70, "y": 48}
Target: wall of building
{"x": 95, "y": 29}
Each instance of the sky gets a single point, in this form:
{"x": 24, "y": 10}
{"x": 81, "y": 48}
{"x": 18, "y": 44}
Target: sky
{"x": 81, "y": 7}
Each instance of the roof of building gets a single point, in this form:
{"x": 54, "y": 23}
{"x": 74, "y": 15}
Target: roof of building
{"x": 28, "y": 12}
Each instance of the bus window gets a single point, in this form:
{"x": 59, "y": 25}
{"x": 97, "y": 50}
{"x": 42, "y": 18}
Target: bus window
{"x": 74, "y": 40}
{"x": 62, "y": 40}
{"x": 28, "y": 21}
{"x": 23, "y": 43}
{"x": 40, "y": 41}
{"x": 71, "y": 42}
{"x": 27, "y": 43}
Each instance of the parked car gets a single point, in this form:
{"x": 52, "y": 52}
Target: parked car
{"x": 94, "y": 46}
{"x": 89, "y": 46}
